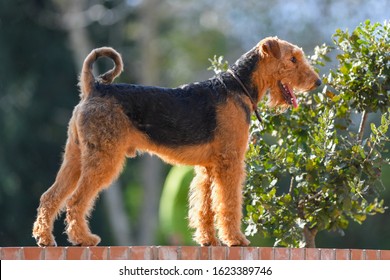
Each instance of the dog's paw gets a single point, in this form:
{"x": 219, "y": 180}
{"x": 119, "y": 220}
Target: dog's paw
{"x": 86, "y": 240}
{"x": 44, "y": 240}
{"x": 213, "y": 242}
{"x": 236, "y": 240}
{"x": 206, "y": 240}
{"x": 43, "y": 237}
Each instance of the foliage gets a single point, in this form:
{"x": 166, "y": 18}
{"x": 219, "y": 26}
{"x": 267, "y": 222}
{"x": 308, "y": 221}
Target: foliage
{"x": 363, "y": 75}
{"x": 309, "y": 170}
{"x": 218, "y": 65}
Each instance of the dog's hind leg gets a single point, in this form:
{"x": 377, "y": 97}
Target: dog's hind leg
{"x": 99, "y": 168}
{"x": 201, "y": 215}
{"x": 54, "y": 198}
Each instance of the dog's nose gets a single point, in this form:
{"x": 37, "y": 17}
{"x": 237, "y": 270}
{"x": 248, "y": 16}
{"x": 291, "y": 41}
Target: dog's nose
{"x": 318, "y": 82}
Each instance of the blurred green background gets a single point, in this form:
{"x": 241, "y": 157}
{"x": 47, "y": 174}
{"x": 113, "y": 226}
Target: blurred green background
{"x": 167, "y": 43}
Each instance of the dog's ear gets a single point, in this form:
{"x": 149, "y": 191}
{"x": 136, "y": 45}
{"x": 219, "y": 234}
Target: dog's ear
{"x": 270, "y": 46}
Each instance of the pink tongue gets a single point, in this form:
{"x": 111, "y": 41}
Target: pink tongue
{"x": 294, "y": 100}
{"x": 293, "y": 97}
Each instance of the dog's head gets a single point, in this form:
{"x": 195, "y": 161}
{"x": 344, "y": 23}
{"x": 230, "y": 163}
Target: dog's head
{"x": 284, "y": 69}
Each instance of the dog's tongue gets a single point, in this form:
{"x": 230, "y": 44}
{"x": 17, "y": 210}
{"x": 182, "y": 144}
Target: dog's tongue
{"x": 294, "y": 100}
{"x": 293, "y": 97}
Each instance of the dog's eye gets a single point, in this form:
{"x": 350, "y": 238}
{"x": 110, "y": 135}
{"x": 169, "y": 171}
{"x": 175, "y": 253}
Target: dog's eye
{"x": 293, "y": 59}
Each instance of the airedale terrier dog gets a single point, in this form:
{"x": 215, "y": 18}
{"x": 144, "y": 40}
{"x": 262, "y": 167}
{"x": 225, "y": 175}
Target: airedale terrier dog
{"x": 205, "y": 124}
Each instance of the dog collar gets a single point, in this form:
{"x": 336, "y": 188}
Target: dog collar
{"x": 254, "y": 106}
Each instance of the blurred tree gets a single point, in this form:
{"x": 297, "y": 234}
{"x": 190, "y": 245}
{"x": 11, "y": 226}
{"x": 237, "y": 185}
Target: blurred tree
{"x": 33, "y": 111}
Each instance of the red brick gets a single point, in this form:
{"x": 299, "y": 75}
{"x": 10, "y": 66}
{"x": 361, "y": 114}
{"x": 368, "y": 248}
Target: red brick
{"x": 142, "y": 253}
{"x": 11, "y": 253}
{"x": 358, "y": 254}
{"x": 98, "y": 253}
{"x": 385, "y": 255}
{"x": 297, "y": 253}
{"x": 234, "y": 253}
{"x": 313, "y": 254}
{"x": 327, "y": 254}
{"x": 55, "y": 253}
{"x": 372, "y": 255}
{"x": 218, "y": 253}
{"x": 205, "y": 253}
{"x": 167, "y": 253}
{"x": 250, "y": 253}
{"x": 266, "y": 253}
{"x": 77, "y": 253}
{"x": 189, "y": 253}
{"x": 282, "y": 253}
{"x": 343, "y": 254}
{"x": 33, "y": 253}
{"x": 118, "y": 253}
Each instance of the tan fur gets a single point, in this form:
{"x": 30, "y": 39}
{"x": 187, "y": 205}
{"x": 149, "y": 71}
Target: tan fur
{"x": 216, "y": 191}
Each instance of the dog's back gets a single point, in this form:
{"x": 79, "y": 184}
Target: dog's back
{"x": 172, "y": 117}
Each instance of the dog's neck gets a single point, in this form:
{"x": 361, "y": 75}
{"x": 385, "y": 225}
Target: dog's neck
{"x": 243, "y": 68}
{"x": 247, "y": 93}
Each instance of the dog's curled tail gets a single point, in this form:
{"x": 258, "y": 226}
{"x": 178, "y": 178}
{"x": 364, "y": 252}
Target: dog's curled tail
{"x": 87, "y": 80}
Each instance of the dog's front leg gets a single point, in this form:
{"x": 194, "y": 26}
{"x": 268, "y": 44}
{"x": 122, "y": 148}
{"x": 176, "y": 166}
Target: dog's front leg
{"x": 227, "y": 199}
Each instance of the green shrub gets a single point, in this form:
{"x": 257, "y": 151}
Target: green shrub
{"x": 310, "y": 169}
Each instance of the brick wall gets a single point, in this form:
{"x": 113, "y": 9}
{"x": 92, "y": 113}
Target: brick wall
{"x": 187, "y": 253}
